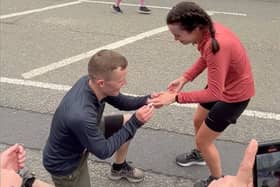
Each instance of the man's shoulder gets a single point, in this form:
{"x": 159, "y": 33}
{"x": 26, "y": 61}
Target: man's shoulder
{"x": 77, "y": 118}
{"x": 82, "y": 111}
{"x": 74, "y": 110}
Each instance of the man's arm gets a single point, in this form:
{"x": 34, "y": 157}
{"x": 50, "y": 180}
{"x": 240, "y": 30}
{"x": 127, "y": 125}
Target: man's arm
{"x": 127, "y": 102}
{"x": 93, "y": 139}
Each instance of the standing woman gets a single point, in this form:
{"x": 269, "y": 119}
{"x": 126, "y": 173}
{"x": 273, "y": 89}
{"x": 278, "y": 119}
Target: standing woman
{"x": 230, "y": 83}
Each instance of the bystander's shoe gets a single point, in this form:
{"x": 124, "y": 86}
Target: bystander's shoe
{"x": 144, "y": 10}
{"x": 117, "y": 9}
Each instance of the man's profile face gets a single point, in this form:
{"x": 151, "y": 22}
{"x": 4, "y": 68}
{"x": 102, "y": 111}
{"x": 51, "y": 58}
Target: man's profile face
{"x": 115, "y": 83}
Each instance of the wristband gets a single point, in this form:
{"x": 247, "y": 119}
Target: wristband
{"x": 176, "y": 98}
{"x": 28, "y": 177}
{"x": 29, "y": 182}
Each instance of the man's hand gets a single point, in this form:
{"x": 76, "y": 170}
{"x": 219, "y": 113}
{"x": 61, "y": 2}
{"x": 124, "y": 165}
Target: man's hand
{"x": 145, "y": 113}
{"x": 243, "y": 177}
{"x": 13, "y": 158}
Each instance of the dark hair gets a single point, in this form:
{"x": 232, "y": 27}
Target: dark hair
{"x": 190, "y": 16}
{"x": 104, "y": 62}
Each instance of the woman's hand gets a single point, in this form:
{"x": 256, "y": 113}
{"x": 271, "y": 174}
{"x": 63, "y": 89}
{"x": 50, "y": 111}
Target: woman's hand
{"x": 165, "y": 98}
{"x": 153, "y": 96}
{"x": 177, "y": 85}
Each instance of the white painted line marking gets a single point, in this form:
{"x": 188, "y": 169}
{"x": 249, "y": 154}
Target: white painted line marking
{"x": 59, "y": 87}
{"x": 23, "y": 82}
{"x": 249, "y": 113}
{"x": 211, "y": 12}
{"x": 39, "y": 10}
{"x": 56, "y": 65}
{"x": 70, "y": 60}
{"x": 123, "y": 4}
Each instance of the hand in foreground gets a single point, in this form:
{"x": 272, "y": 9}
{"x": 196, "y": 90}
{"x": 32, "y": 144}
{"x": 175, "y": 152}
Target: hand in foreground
{"x": 243, "y": 177}
{"x": 145, "y": 113}
{"x": 165, "y": 98}
{"x": 13, "y": 158}
{"x": 177, "y": 85}
{"x": 11, "y": 178}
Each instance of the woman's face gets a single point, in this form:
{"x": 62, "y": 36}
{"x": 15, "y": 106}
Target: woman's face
{"x": 184, "y": 36}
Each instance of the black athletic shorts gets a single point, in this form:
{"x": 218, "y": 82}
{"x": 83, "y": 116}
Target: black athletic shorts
{"x": 111, "y": 124}
{"x": 222, "y": 114}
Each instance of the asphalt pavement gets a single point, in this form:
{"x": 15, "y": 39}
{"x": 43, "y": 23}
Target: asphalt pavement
{"x": 152, "y": 150}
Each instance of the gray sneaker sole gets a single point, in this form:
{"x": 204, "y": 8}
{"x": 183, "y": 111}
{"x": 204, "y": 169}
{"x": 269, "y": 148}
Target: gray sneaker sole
{"x": 191, "y": 164}
{"x": 132, "y": 180}
{"x": 116, "y": 12}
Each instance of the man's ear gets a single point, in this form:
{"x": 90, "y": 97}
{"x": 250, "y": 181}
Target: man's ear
{"x": 100, "y": 82}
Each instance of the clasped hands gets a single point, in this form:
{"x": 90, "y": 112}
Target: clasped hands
{"x": 160, "y": 99}
{"x": 168, "y": 97}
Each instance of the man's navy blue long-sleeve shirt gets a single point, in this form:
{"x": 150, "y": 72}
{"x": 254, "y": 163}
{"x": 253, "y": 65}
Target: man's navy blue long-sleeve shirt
{"x": 74, "y": 128}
